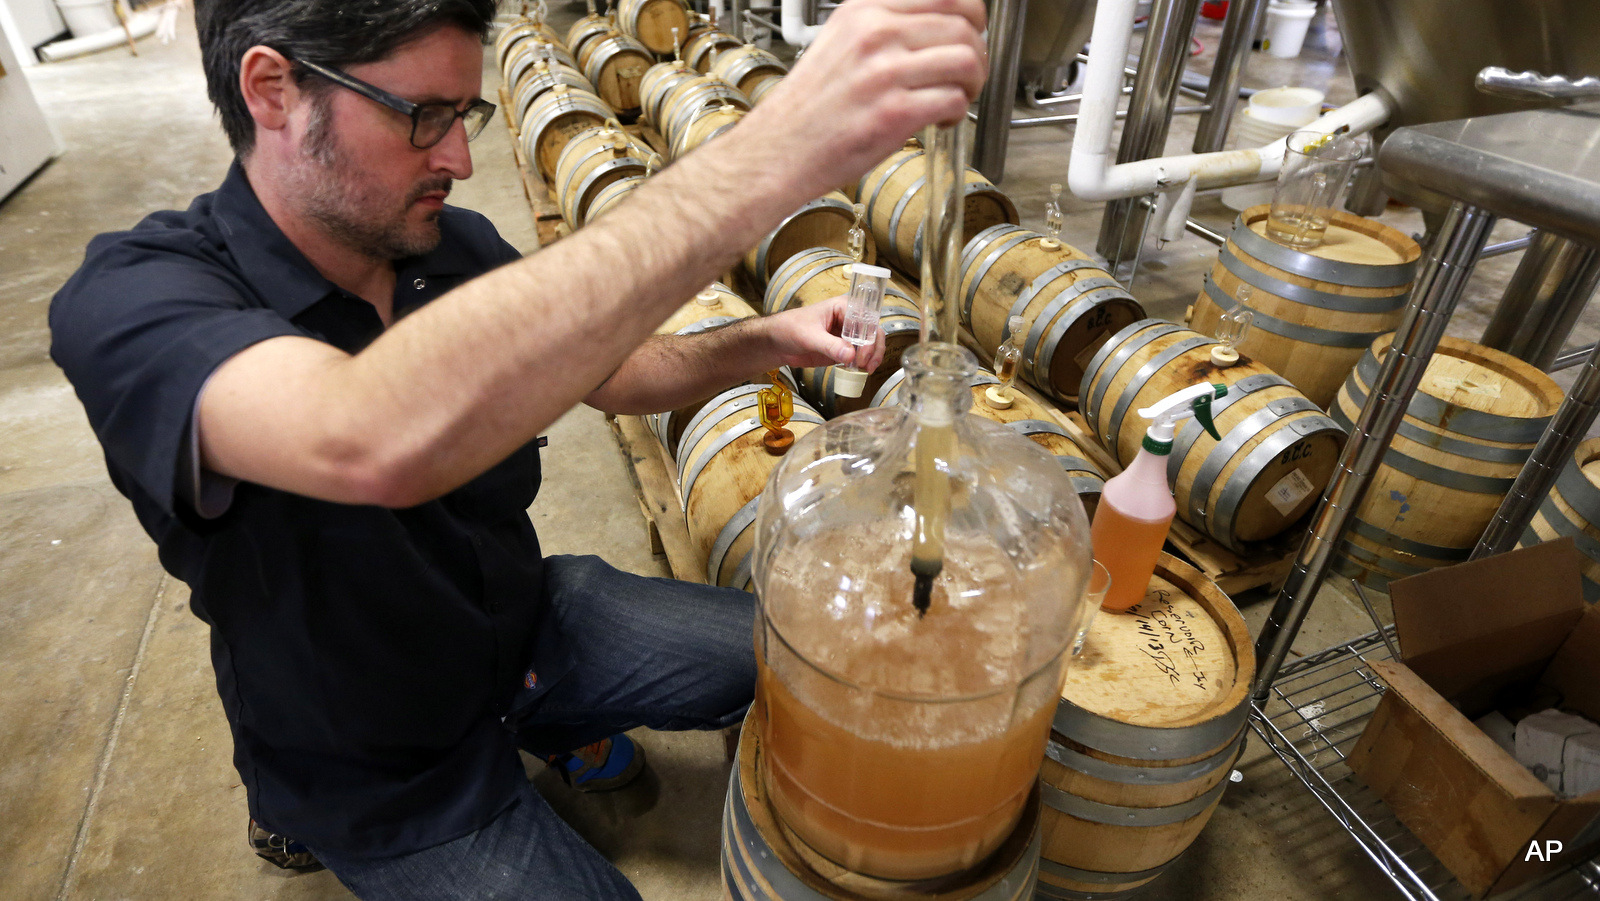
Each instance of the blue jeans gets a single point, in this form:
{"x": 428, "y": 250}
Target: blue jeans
{"x": 657, "y": 653}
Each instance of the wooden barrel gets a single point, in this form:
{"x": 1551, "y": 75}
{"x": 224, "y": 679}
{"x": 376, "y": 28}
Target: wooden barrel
{"x": 1573, "y": 509}
{"x": 715, "y": 307}
{"x": 657, "y": 85}
{"x": 686, "y": 98}
{"x": 1316, "y": 312}
{"x": 704, "y": 124}
{"x": 587, "y": 30}
{"x": 1152, "y": 719}
{"x": 1469, "y": 428}
{"x": 761, "y": 861}
{"x": 897, "y": 204}
{"x": 652, "y": 22}
{"x": 823, "y": 223}
{"x": 520, "y": 30}
{"x": 818, "y": 275}
{"x": 609, "y": 196}
{"x": 592, "y": 160}
{"x": 1278, "y": 449}
{"x": 722, "y": 470}
{"x": 554, "y": 119}
{"x": 1027, "y": 418}
{"x": 1069, "y": 305}
{"x": 703, "y": 48}
{"x": 529, "y": 54}
{"x": 540, "y": 79}
{"x": 760, "y": 88}
{"x": 746, "y": 66}
{"x": 616, "y": 64}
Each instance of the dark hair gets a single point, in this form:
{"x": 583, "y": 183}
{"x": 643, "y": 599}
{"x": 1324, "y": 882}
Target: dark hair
{"x": 334, "y": 33}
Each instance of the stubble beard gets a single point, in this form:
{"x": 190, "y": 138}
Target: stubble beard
{"x": 334, "y": 195}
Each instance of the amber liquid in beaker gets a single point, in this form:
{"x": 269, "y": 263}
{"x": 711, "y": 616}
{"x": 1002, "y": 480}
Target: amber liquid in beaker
{"x": 891, "y": 811}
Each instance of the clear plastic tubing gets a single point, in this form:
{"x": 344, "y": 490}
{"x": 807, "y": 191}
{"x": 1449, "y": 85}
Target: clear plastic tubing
{"x": 941, "y": 267}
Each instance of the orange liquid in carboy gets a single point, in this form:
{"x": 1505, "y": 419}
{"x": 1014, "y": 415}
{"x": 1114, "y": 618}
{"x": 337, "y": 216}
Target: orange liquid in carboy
{"x": 889, "y": 810}
{"x": 1128, "y": 548}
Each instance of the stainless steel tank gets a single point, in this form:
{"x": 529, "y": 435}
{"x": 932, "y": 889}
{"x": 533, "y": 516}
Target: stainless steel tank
{"x": 1425, "y": 54}
{"x": 1053, "y": 34}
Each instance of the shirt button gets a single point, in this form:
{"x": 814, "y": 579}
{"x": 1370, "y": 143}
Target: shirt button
{"x": 477, "y": 541}
{"x": 419, "y": 284}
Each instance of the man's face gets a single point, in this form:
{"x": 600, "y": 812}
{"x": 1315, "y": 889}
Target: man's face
{"x": 358, "y": 176}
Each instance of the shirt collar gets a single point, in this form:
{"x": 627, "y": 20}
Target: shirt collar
{"x": 267, "y": 257}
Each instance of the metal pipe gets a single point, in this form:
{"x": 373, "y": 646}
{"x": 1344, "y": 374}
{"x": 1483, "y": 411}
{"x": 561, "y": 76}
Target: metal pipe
{"x": 1571, "y": 358}
{"x": 1155, "y": 92}
{"x": 998, "y": 99}
{"x": 1549, "y": 456}
{"x": 1505, "y": 247}
{"x": 1238, "y": 28}
{"x": 753, "y": 19}
{"x": 1195, "y": 228}
{"x": 1544, "y": 298}
{"x": 1067, "y": 118}
{"x": 1437, "y": 290}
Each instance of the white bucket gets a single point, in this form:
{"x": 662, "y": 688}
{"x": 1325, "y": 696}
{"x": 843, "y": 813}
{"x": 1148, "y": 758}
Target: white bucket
{"x": 86, "y": 17}
{"x": 1292, "y": 107}
{"x": 1272, "y": 114}
{"x": 1287, "y": 24}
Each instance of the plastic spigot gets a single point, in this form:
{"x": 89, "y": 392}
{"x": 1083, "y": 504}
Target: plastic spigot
{"x": 775, "y": 406}
{"x": 1006, "y": 360}
{"x": 1052, "y": 220}
{"x": 1232, "y": 327}
{"x": 857, "y": 239}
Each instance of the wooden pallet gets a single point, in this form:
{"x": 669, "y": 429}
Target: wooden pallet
{"x": 654, "y": 476}
{"x": 548, "y": 222}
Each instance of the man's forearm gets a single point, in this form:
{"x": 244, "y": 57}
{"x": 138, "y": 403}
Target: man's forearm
{"x": 670, "y": 371}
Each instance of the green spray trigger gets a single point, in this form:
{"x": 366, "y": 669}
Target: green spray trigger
{"x": 1202, "y": 409}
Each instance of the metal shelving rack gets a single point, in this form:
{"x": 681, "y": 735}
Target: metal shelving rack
{"x": 1311, "y": 711}
{"x": 1316, "y": 710}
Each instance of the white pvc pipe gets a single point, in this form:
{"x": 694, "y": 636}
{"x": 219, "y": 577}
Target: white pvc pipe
{"x": 795, "y": 29}
{"x": 140, "y": 24}
{"x": 1093, "y": 174}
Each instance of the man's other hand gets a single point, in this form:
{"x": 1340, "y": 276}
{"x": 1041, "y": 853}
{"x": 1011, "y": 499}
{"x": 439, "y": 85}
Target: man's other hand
{"x": 810, "y": 336}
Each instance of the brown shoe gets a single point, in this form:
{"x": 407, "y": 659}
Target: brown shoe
{"x": 280, "y": 850}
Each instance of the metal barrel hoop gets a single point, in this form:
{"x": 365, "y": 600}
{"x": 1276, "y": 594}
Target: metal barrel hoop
{"x": 1322, "y": 300}
{"x": 1355, "y": 275}
{"x": 1105, "y": 363}
{"x": 1293, "y": 331}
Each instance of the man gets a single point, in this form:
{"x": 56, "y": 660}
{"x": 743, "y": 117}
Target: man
{"x": 321, "y": 389}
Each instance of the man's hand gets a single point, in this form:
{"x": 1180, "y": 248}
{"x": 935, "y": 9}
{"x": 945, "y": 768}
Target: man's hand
{"x": 809, "y": 336}
{"x": 669, "y": 371}
{"x": 879, "y": 71}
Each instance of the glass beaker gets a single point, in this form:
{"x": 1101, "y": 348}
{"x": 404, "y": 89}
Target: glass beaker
{"x": 1315, "y": 170}
{"x": 1093, "y": 594}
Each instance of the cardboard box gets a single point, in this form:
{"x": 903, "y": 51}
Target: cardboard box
{"x": 1508, "y": 629}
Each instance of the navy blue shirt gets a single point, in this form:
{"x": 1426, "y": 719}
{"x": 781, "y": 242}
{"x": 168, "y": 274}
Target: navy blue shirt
{"x": 365, "y": 656}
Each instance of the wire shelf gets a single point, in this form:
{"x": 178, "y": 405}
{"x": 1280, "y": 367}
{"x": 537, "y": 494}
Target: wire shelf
{"x": 1317, "y": 709}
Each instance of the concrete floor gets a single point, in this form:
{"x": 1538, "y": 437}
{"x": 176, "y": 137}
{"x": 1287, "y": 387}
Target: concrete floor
{"x": 115, "y": 774}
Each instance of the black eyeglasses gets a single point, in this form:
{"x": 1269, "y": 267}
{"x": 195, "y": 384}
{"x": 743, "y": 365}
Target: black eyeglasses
{"x": 430, "y": 122}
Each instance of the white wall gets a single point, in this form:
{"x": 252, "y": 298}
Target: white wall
{"x": 26, "y": 139}
{"x": 30, "y": 23}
